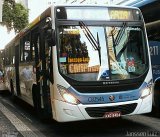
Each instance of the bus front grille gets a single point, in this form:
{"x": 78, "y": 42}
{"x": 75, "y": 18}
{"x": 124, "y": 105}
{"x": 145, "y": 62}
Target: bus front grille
{"x": 100, "y": 111}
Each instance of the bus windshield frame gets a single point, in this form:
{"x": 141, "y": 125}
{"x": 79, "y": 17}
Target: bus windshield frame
{"x": 133, "y": 20}
{"x": 120, "y": 26}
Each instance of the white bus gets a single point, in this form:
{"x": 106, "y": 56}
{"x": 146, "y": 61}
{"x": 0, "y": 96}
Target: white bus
{"x": 82, "y": 62}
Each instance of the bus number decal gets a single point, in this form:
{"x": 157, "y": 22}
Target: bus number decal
{"x": 96, "y": 99}
{"x": 154, "y": 50}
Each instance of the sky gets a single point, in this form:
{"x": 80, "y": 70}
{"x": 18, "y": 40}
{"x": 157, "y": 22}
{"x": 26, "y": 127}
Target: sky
{"x": 5, "y": 37}
{"x": 35, "y": 8}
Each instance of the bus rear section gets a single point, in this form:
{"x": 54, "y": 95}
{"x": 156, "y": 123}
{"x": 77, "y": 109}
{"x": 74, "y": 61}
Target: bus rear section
{"x": 102, "y": 67}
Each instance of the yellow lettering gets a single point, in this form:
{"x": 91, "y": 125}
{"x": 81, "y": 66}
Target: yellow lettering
{"x": 78, "y": 60}
{"x": 120, "y": 14}
{"x": 82, "y": 68}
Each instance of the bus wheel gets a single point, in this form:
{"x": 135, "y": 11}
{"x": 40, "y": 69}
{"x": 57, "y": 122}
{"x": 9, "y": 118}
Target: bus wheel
{"x": 36, "y": 100}
{"x": 13, "y": 97}
{"x": 37, "y": 103}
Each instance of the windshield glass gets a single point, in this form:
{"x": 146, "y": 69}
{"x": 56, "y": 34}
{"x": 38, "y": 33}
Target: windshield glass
{"x": 101, "y": 53}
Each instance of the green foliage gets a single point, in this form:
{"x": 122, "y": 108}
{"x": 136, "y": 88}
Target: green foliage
{"x": 7, "y": 15}
{"x": 20, "y": 19}
{"x": 15, "y": 16}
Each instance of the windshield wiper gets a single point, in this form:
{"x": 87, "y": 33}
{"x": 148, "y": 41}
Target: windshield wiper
{"x": 118, "y": 39}
{"x": 95, "y": 43}
{"x": 120, "y": 34}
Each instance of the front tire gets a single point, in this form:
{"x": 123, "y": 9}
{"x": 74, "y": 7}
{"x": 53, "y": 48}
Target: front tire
{"x": 36, "y": 99}
{"x": 40, "y": 112}
{"x": 156, "y": 97}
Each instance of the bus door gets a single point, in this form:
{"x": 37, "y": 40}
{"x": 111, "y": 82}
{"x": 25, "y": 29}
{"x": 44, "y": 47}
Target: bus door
{"x": 36, "y": 95}
{"x": 42, "y": 64}
{"x": 46, "y": 69}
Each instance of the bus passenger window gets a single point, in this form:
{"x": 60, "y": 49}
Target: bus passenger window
{"x": 27, "y": 51}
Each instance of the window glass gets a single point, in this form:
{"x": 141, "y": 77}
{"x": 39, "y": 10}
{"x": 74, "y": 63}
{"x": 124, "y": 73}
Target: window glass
{"x": 94, "y": 53}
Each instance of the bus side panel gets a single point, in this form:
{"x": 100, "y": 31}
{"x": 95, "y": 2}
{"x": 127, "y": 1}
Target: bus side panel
{"x": 155, "y": 56}
{"x": 26, "y": 80}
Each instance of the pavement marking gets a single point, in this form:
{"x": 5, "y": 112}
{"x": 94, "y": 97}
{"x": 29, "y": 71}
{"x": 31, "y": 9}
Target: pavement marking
{"x": 19, "y": 125}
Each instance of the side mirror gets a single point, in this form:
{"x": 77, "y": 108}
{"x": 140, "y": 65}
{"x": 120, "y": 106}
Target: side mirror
{"x": 50, "y": 33}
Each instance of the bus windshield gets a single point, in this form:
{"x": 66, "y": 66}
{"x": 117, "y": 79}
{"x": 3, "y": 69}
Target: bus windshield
{"x": 101, "y": 53}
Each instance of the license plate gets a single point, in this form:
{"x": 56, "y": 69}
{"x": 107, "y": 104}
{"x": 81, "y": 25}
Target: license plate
{"x": 114, "y": 114}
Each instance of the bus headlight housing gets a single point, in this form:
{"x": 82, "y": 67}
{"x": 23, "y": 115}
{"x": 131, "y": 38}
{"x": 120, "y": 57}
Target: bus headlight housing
{"x": 68, "y": 97}
{"x": 147, "y": 90}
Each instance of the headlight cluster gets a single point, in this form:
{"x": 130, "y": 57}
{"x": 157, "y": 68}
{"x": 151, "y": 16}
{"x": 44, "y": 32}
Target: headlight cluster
{"x": 67, "y": 96}
{"x": 147, "y": 90}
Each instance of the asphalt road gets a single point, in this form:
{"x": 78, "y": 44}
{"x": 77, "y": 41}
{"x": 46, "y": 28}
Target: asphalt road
{"x": 17, "y": 119}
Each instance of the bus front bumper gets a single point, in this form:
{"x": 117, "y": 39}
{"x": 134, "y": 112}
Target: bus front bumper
{"x": 65, "y": 112}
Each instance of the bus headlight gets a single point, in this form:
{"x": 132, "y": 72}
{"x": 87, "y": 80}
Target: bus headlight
{"x": 147, "y": 90}
{"x": 68, "y": 97}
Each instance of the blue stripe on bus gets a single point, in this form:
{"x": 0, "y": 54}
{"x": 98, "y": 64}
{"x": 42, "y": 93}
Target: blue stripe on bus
{"x": 109, "y": 97}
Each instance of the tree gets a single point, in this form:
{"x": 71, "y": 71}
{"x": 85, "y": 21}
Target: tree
{"x": 20, "y": 19}
{"x": 15, "y": 16}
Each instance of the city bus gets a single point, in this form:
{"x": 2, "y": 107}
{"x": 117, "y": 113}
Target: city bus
{"x": 82, "y": 62}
